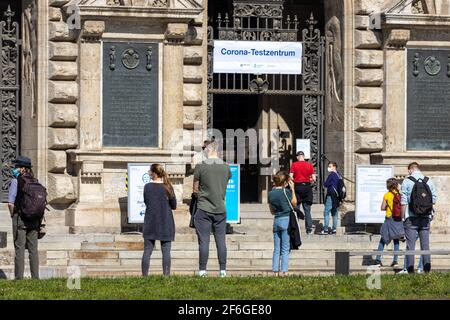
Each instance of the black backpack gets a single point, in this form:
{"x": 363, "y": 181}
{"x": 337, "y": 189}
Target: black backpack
{"x": 341, "y": 191}
{"x": 421, "y": 202}
{"x": 33, "y": 200}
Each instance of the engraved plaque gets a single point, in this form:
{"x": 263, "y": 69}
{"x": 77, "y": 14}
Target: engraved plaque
{"x": 130, "y": 94}
{"x": 428, "y": 100}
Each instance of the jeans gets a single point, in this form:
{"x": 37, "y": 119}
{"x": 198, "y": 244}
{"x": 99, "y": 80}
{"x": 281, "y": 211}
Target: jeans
{"x": 149, "y": 245}
{"x": 205, "y": 222}
{"x": 281, "y": 244}
{"x": 396, "y": 248}
{"x": 326, "y": 215}
{"x": 417, "y": 227}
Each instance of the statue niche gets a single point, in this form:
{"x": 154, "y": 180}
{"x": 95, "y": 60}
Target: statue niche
{"x": 334, "y": 100}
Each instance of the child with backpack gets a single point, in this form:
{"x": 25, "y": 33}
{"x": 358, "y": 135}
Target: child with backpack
{"x": 392, "y": 228}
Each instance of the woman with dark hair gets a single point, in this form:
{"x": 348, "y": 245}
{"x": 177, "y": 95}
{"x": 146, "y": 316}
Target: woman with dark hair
{"x": 160, "y": 200}
{"x": 281, "y": 203}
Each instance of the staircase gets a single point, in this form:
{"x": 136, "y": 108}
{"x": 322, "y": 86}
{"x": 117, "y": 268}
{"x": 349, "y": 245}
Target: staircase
{"x": 249, "y": 250}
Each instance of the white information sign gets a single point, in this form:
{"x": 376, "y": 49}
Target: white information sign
{"x": 370, "y": 189}
{"x": 138, "y": 177}
{"x": 305, "y": 146}
{"x": 258, "y": 57}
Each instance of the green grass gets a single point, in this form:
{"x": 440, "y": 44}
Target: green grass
{"x": 430, "y": 286}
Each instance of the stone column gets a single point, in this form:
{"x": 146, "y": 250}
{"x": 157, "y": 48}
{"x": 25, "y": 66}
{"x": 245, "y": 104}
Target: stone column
{"x": 90, "y": 85}
{"x": 88, "y": 214}
{"x": 172, "y": 115}
{"x": 395, "y": 89}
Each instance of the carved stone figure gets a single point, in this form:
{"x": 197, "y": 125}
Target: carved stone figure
{"x": 30, "y": 50}
{"x": 334, "y": 69}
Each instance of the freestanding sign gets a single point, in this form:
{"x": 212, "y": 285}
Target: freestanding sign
{"x": 370, "y": 189}
{"x": 138, "y": 177}
{"x": 258, "y": 57}
{"x": 305, "y": 146}
{"x": 232, "y": 196}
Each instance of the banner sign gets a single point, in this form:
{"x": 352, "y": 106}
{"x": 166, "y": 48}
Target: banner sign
{"x": 138, "y": 177}
{"x": 232, "y": 196}
{"x": 258, "y": 57}
{"x": 370, "y": 189}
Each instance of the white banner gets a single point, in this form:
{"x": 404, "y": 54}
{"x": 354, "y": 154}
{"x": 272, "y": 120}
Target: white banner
{"x": 138, "y": 177}
{"x": 258, "y": 57}
{"x": 370, "y": 189}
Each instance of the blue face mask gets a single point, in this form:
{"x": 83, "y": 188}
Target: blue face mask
{"x": 15, "y": 172}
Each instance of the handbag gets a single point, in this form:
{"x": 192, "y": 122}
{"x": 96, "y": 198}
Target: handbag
{"x": 297, "y": 211}
{"x": 193, "y": 209}
{"x": 42, "y": 230}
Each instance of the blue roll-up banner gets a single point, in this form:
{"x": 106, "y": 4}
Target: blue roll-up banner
{"x": 232, "y": 196}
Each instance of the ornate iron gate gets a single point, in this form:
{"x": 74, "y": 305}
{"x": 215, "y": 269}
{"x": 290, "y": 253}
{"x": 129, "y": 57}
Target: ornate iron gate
{"x": 263, "y": 20}
{"x": 10, "y": 95}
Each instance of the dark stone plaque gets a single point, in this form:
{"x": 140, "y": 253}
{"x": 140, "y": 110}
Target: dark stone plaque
{"x": 130, "y": 94}
{"x": 428, "y": 109}
{"x": 3, "y": 240}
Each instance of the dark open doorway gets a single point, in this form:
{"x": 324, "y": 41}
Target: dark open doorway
{"x": 240, "y": 112}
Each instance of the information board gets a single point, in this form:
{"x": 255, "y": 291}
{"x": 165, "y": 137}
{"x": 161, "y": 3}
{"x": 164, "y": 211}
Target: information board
{"x": 370, "y": 189}
{"x": 138, "y": 177}
{"x": 232, "y": 196}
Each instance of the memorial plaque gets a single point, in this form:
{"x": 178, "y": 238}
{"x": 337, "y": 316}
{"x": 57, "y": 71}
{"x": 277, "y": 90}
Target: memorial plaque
{"x": 130, "y": 94}
{"x": 428, "y": 100}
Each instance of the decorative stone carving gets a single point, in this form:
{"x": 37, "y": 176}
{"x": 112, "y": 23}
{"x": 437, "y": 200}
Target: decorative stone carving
{"x": 176, "y": 32}
{"x": 432, "y": 65}
{"x": 93, "y": 30}
{"x": 334, "y": 69}
{"x": 130, "y": 59}
{"x": 397, "y": 39}
{"x": 29, "y": 51}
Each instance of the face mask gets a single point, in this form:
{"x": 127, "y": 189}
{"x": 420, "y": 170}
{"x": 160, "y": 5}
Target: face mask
{"x": 15, "y": 172}
{"x": 330, "y": 170}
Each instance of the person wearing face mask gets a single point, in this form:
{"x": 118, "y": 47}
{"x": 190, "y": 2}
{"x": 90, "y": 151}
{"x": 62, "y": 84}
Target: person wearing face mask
{"x": 331, "y": 199}
{"x": 25, "y": 232}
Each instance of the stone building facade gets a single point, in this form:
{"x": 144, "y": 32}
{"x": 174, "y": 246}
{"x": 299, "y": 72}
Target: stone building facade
{"x": 365, "y": 96}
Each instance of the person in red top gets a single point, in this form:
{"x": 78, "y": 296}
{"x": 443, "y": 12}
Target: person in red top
{"x": 303, "y": 174}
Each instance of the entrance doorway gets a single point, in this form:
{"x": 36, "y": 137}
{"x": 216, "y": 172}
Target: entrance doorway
{"x": 291, "y": 104}
{"x": 240, "y": 112}
{"x": 10, "y": 34}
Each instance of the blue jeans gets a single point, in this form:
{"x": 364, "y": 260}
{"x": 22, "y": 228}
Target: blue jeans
{"x": 396, "y": 248}
{"x": 308, "y": 217}
{"x": 326, "y": 214}
{"x": 420, "y": 266}
{"x": 281, "y": 244}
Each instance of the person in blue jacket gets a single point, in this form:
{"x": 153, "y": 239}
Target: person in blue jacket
{"x": 331, "y": 199}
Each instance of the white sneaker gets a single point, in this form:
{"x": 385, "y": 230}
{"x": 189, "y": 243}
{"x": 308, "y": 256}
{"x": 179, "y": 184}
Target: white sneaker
{"x": 202, "y": 274}
{"x": 222, "y": 274}
{"x": 402, "y": 272}
{"x": 419, "y": 271}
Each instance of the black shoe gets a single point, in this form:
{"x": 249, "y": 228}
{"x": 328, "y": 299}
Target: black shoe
{"x": 308, "y": 231}
{"x": 378, "y": 263}
{"x": 427, "y": 267}
{"x": 394, "y": 263}
{"x": 332, "y": 232}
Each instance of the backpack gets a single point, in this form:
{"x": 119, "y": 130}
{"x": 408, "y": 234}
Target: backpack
{"x": 421, "y": 202}
{"x": 397, "y": 207}
{"x": 33, "y": 201}
{"x": 341, "y": 190}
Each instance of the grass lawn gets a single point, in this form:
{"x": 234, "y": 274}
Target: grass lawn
{"x": 432, "y": 286}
